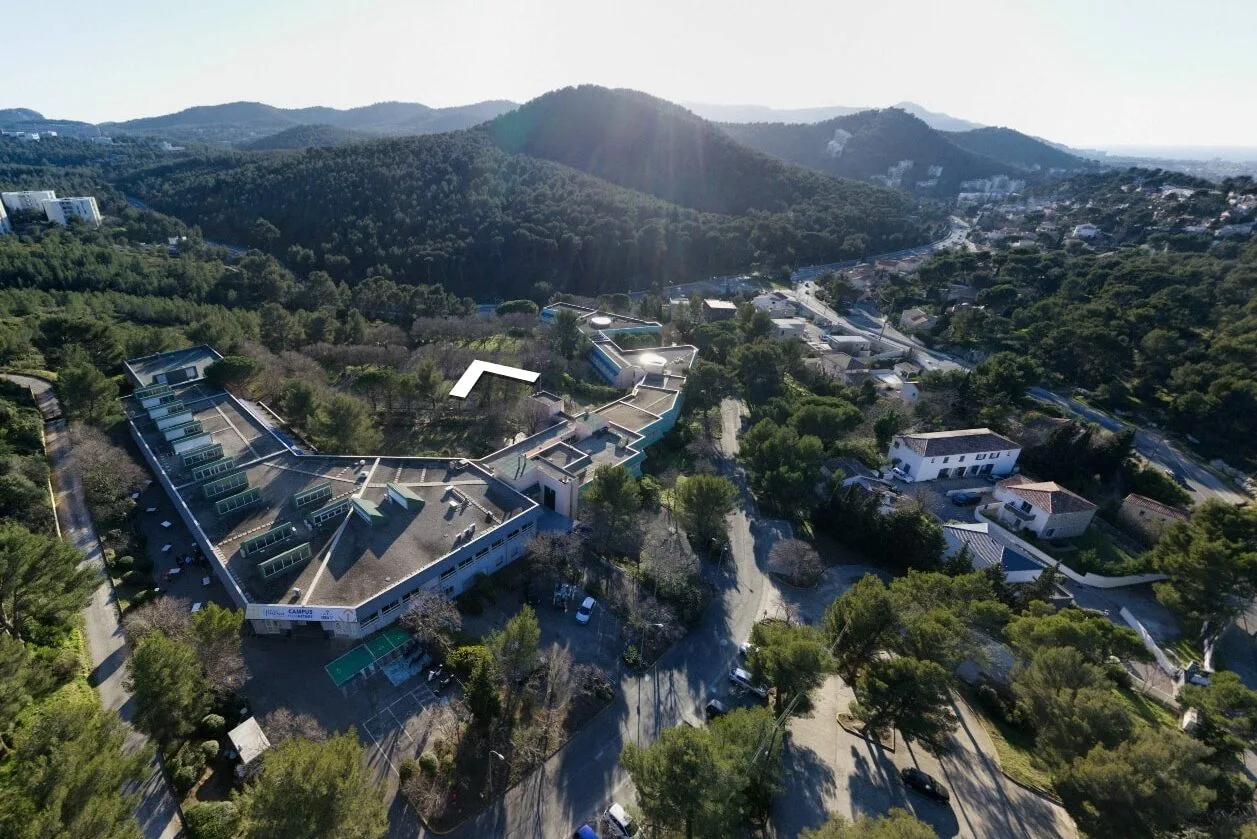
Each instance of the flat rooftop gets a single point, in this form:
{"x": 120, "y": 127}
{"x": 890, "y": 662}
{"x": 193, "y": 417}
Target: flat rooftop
{"x": 242, "y": 435}
{"x": 365, "y": 559}
{"x": 170, "y": 367}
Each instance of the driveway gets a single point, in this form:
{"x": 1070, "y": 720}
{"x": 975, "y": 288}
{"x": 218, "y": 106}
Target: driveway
{"x": 158, "y": 813}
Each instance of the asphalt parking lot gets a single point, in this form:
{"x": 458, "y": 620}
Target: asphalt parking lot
{"x": 935, "y": 497}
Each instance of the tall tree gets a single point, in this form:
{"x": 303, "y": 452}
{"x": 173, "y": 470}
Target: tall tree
{"x": 783, "y": 466}
{"x": 1154, "y": 784}
{"x": 72, "y": 775}
{"x": 793, "y": 659}
{"x": 433, "y": 618}
{"x": 706, "y": 385}
{"x": 750, "y": 743}
{"x": 613, "y": 501}
{"x": 678, "y": 779}
{"x": 1094, "y": 636}
{"x": 859, "y": 624}
{"x": 704, "y": 503}
{"x": 567, "y": 334}
{"x": 1211, "y": 563}
{"x": 216, "y": 637}
{"x": 42, "y": 580}
{"x": 1072, "y": 704}
{"x": 233, "y": 371}
{"x": 515, "y": 647}
{"x": 171, "y": 693}
{"x": 906, "y": 693}
{"x": 897, "y": 824}
{"x": 309, "y": 789}
{"x": 343, "y": 426}
{"x": 87, "y": 394}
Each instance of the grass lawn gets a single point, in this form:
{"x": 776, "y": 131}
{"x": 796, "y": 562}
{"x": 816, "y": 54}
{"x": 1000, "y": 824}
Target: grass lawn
{"x": 1185, "y": 649}
{"x": 1096, "y": 553}
{"x": 1146, "y": 710}
{"x": 1015, "y": 750}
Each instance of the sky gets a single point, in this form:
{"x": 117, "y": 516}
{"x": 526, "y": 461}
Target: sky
{"x": 1090, "y": 73}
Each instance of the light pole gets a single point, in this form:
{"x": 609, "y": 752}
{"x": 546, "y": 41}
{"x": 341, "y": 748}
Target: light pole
{"x": 499, "y": 756}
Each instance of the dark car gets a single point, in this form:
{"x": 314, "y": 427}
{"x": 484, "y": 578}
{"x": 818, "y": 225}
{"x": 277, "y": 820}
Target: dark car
{"x": 917, "y": 780}
{"x": 966, "y": 499}
{"x": 715, "y": 708}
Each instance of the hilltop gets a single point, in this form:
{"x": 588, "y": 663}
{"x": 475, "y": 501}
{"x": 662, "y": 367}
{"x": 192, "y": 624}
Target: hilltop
{"x": 240, "y": 122}
{"x": 653, "y": 146}
{"x": 1016, "y": 149}
{"x": 306, "y": 137}
{"x": 587, "y": 189}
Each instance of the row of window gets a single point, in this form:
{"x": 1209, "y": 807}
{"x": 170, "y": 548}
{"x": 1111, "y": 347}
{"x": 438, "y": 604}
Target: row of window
{"x": 961, "y": 459}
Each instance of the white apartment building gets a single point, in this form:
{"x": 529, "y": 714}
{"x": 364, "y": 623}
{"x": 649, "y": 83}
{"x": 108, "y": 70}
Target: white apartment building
{"x": 953, "y": 454}
{"x": 5, "y": 225}
{"x": 61, "y": 209}
{"x": 28, "y": 201}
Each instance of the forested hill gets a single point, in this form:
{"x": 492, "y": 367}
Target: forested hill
{"x": 1016, "y": 149}
{"x": 453, "y": 208}
{"x": 868, "y": 145}
{"x": 656, "y": 147}
{"x": 306, "y": 137}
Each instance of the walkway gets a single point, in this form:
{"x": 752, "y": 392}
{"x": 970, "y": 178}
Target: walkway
{"x": 158, "y": 812}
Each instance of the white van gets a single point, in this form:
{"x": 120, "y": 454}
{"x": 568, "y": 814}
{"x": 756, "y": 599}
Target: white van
{"x": 620, "y": 822}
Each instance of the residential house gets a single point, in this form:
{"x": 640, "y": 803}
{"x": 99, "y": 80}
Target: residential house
{"x": 986, "y": 551}
{"x": 893, "y": 386}
{"x": 1086, "y": 231}
{"x": 953, "y": 454}
{"x": 906, "y": 370}
{"x": 1147, "y": 519}
{"x": 714, "y": 310}
{"x": 1045, "y": 508}
{"x": 776, "y": 304}
{"x": 840, "y": 366}
{"x": 850, "y": 344}
{"x": 916, "y": 320}
{"x": 790, "y": 327}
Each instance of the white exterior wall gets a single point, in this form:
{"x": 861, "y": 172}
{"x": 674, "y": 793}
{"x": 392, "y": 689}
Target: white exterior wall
{"x": 5, "y": 226}
{"x": 1038, "y": 521}
{"x": 919, "y": 468}
{"x": 62, "y": 209}
{"x": 27, "y": 201}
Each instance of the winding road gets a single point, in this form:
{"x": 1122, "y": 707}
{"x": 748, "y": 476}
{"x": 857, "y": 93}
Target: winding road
{"x": 158, "y": 812}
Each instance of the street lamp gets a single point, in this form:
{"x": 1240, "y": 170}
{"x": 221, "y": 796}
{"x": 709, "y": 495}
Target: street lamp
{"x": 499, "y": 756}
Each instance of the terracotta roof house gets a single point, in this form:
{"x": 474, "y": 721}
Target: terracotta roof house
{"x": 1148, "y": 519}
{"x": 1045, "y": 508}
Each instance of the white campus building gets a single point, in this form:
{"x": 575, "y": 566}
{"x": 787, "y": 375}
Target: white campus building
{"x": 5, "y": 225}
{"x": 953, "y": 454}
{"x": 31, "y": 200}
{"x": 60, "y": 210}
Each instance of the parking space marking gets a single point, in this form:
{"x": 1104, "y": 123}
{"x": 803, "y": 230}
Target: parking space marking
{"x": 417, "y": 701}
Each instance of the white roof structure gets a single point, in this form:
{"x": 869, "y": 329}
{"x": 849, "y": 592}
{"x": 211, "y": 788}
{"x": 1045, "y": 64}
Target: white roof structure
{"x": 249, "y": 740}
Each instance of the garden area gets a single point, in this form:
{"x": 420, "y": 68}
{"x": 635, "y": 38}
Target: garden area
{"x": 1094, "y": 552}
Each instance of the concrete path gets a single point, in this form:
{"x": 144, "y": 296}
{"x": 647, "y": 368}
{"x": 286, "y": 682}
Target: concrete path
{"x": 158, "y": 812}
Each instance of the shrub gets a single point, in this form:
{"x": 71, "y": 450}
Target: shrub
{"x": 66, "y": 665}
{"x": 143, "y": 562}
{"x": 429, "y": 764}
{"x": 109, "y": 555}
{"x": 632, "y": 656}
{"x": 212, "y": 819}
{"x": 184, "y": 778}
{"x": 123, "y": 564}
{"x": 209, "y": 749}
{"x": 407, "y": 769}
{"x": 213, "y": 725}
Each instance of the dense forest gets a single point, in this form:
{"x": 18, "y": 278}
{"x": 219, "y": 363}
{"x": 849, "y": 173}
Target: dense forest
{"x": 1167, "y": 333}
{"x": 1013, "y": 147}
{"x": 456, "y": 210}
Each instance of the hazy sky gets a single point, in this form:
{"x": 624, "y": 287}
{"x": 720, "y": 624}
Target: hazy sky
{"x": 1084, "y": 72}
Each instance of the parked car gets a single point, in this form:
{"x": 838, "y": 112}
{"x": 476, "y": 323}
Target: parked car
{"x": 585, "y": 612}
{"x": 585, "y": 831}
{"x": 621, "y": 824}
{"x": 966, "y": 499}
{"x": 915, "y": 779}
{"x": 744, "y": 680}
{"x": 745, "y": 648}
{"x": 899, "y": 473}
{"x": 715, "y": 708}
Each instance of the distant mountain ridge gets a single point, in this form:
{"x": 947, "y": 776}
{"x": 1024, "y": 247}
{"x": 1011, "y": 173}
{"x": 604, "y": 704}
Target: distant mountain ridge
{"x": 762, "y": 113}
{"x": 306, "y": 137}
{"x": 242, "y": 122}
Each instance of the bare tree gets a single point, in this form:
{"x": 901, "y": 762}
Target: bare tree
{"x": 797, "y": 561}
{"x": 559, "y": 685}
{"x": 282, "y": 723}
{"x": 554, "y": 556}
{"x": 167, "y": 615}
{"x": 433, "y": 618}
{"x": 108, "y": 473}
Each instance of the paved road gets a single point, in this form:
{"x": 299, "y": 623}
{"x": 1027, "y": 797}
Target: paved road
{"x": 158, "y": 812}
